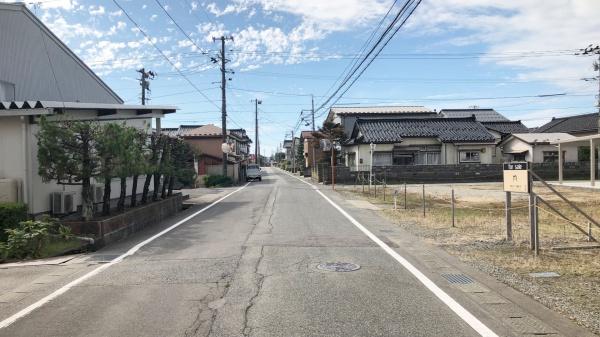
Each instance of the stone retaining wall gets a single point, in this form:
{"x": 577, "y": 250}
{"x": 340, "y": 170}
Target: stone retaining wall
{"x": 122, "y": 225}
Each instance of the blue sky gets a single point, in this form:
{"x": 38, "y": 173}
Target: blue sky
{"x": 451, "y": 54}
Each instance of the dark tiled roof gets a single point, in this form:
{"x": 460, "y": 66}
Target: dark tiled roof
{"x": 572, "y": 124}
{"x": 506, "y": 128}
{"x": 482, "y": 115}
{"x": 447, "y": 130}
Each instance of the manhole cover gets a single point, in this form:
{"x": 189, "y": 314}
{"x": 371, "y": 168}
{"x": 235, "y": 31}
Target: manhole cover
{"x": 338, "y": 266}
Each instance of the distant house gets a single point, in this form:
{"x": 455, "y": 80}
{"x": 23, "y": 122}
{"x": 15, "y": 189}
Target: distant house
{"x": 538, "y": 147}
{"x": 497, "y": 124}
{"x": 206, "y": 140}
{"x": 419, "y": 141}
{"x": 41, "y": 76}
{"x": 312, "y": 151}
{"x": 180, "y": 130}
{"x": 347, "y": 116}
{"x": 579, "y": 126}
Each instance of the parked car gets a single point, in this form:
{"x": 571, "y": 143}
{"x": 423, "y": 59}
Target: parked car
{"x": 253, "y": 172}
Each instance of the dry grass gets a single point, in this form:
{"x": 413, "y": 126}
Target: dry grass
{"x": 479, "y": 238}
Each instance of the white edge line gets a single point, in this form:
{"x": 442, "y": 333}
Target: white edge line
{"x": 458, "y": 309}
{"x": 10, "y": 320}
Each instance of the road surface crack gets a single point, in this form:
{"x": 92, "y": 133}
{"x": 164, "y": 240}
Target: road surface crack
{"x": 247, "y": 330}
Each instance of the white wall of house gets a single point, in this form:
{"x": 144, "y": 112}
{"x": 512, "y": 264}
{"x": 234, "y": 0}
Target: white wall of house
{"x": 449, "y": 153}
{"x": 18, "y": 153}
{"x": 535, "y": 152}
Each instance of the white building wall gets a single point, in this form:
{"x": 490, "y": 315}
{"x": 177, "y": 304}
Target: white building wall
{"x": 535, "y": 153}
{"x": 449, "y": 152}
{"x": 12, "y": 158}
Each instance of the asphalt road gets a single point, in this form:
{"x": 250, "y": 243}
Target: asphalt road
{"x": 248, "y": 267}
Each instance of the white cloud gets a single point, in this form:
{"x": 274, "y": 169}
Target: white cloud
{"x": 116, "y": 13}
{"x": 96, "y": 10}
{"x": 153, "y": 17}
{"x": 512, "y": 26}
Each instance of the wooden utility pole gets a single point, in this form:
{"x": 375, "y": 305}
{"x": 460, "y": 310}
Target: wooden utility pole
{"x": 256, "y": 146}
{"x": 224, "y": 71}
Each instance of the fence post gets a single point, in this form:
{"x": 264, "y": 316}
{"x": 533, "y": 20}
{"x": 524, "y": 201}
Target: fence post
{"x": 375, "y": 186}
{"x": 508, "y": 216}
{"x": 532, "y": 221}
{"x": 453, "y": 221}
{"x": 405, "y": 206}
{"x": 395, "y": 200}
{"x": 423, "y": 200}
{"x": 589, "y": 231}
{"x": 536, "y": 226}
{"x": 384, "y": 190}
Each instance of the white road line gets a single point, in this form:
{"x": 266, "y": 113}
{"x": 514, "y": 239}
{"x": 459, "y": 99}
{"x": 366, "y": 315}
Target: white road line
{"x": 10, "y": 320}
{"x": 463, "y": 313}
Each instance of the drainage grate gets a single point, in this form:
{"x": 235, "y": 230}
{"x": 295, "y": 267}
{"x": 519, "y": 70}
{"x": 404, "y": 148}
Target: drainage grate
{"x": 457, "y": 278}
{"x": 338, "y": 266}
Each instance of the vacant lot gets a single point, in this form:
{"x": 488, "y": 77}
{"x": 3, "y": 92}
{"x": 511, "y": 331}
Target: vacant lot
{"x": 479, "y": 237}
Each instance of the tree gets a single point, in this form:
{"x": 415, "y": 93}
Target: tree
{"x": 66, "y": 153}
{"x": 333, "y": 132}
{"x": 152, "y": 154}
{"x": 300, "y": 161}
{"x": 129, "y": 158}
{"x": 108, "y": 145}
{"x": 183, "y": 169}
{"x": 142, "y": 163}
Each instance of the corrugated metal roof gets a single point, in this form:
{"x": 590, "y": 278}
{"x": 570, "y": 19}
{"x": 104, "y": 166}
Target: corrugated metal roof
{"x": 447, "y": 130}
{"x": 392, "y": 109}
{"x": 16, "y": 105}
{"x": 39, "y": 66}
{"x": 481, "y": 115}
{"x": 536, "y": 138}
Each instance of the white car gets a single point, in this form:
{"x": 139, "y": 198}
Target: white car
{"x": 253, "y": 172}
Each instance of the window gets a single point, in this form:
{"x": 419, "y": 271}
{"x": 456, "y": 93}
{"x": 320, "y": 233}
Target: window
{"x": 382, "y": 158}
{"x": 469, "y": 156}
{"x": 404, "y": 159}
{"x": 519, "y": 157}
{"x": 550, "y": 156}
{"x": 352, "y": 159}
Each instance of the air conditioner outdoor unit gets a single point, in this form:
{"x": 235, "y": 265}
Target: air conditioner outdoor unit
{"x": 62, "y": 202}
{"x": 97, "y": 193}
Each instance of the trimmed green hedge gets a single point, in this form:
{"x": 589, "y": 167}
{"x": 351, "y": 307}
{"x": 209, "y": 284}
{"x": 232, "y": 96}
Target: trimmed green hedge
{"x": 217, "y": 181}
{"x": 11, "y": 214}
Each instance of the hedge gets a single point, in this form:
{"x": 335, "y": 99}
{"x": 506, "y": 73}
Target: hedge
{"x": 11, "y": 214}
{"x": 217, "y": 181}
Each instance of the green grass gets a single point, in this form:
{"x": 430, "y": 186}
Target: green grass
{"x": 55, "y": 248}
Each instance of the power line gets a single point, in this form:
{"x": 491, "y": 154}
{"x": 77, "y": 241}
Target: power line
{"x": 202, "y": 51}
{"x": 162, "y": 53}
{"x": 366, "y": 57}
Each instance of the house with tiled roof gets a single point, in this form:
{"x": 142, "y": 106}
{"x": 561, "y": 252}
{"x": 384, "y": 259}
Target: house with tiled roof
{"x": 347, "y": 116}
{"x": 539, "y": 147}
{"x": 419, "y": 141}
{"x": 579, "y": 125}
{"x": 496, "y": 123}
{"x": 206, "y": 140}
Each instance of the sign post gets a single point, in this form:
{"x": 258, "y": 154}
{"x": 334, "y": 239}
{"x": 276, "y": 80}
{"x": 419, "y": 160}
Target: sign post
{"x": 516, "y": 179}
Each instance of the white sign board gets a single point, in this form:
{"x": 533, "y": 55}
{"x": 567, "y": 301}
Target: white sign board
{"x": 516, "y": 177}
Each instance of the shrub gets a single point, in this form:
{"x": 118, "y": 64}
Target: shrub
{"x": 28, "y": 239}
{"x": 11, "y": 214}
{"x": 217, "y": 181}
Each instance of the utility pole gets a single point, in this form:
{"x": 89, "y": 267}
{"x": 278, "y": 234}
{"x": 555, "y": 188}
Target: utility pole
{"x": 312, "y": 145}
{"x": 224, "y": 71}
{"x": 256, "y": 146}
{"x": 293, "y": 153}
{"x": 591, "y": 50}
{"x": 145, "y": 77}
